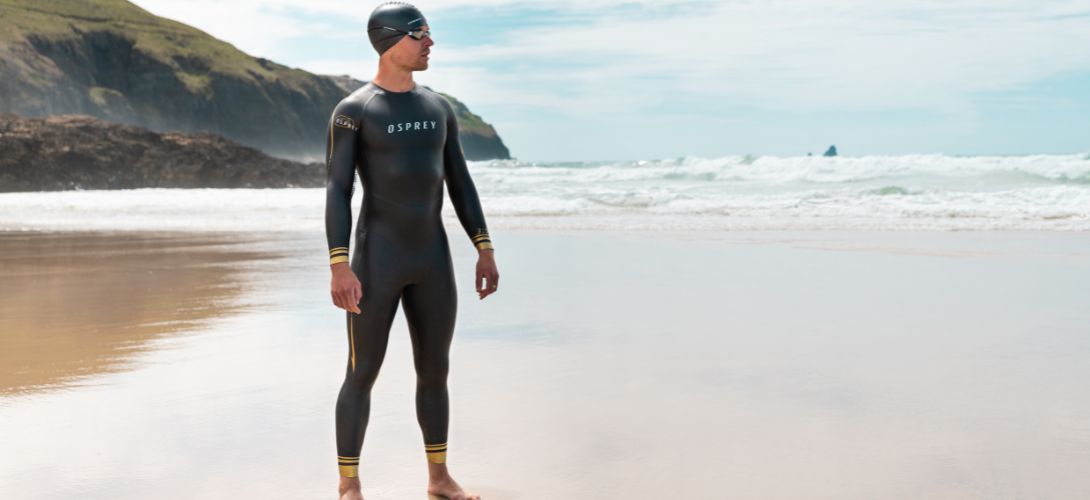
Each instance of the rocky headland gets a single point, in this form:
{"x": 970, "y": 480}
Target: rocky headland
{"x": 81, "y": 152}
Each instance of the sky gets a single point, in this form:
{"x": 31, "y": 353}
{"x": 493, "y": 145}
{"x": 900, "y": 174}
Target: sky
{"x": 598, "y": 80}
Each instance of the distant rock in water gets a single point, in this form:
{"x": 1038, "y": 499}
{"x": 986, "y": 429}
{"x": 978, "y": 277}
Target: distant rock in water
{"x": 831, "y": 151}
{"x": 81, "y": 152}
{"x": 113, "y": 60}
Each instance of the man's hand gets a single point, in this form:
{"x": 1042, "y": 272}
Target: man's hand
{"x": 486, "y": 270}
{"x": 345, "y": 287}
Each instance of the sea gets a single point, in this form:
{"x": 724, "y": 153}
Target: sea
{"x": 909, "y": 192}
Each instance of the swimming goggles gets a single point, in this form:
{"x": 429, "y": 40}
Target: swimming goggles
{"x": 416, "y": 34}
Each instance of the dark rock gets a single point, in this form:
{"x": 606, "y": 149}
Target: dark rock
{"x": 831, "y": 151}
{"x": 81, "y": 152}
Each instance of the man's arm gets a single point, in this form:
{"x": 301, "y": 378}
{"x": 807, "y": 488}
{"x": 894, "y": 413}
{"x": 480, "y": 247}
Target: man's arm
{"x": 341, "y": 148}
{"x": 463, "y": 195}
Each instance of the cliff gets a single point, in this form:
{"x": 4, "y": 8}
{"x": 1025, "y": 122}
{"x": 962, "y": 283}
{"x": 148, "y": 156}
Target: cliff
{"x": 113, "y": 60}
{"x": 80, "y": 152}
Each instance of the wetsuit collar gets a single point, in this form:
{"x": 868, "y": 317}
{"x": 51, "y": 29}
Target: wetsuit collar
{"x": 415, "y": 86}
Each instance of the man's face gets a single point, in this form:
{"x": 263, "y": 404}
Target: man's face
{"x": 410, "y": 53}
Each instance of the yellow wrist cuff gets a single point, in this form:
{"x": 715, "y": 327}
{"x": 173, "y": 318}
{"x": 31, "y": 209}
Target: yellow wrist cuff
{"x": 338, "y": 254}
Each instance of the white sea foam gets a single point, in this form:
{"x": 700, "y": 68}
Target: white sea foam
{"x": 1050, "y": 192}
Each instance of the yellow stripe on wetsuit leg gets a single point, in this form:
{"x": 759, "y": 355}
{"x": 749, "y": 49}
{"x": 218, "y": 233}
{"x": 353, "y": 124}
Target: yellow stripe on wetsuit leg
{"x": 348, "y": 466}
{"x": 437, "y": 453}
{"x": 352, "y": 341}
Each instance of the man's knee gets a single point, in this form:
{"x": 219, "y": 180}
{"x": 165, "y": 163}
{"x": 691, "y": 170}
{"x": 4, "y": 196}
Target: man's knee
{"x": 432, "y": 373}
{"x": 363, "y": 377}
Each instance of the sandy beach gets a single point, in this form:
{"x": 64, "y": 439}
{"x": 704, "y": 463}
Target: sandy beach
{"x": 611, "y": 365}
{"x": 76, "y": 304}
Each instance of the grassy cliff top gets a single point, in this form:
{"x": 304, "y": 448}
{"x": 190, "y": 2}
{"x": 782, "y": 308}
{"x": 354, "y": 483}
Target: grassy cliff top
{"x": 191, "y": 52}
{"x": 467, "y": 121}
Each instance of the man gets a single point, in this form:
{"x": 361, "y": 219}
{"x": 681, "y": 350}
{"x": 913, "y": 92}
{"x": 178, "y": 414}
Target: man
{"x": 402, "y": 139}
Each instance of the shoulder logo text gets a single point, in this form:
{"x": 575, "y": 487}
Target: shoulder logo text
{"x": 345, "y": 122}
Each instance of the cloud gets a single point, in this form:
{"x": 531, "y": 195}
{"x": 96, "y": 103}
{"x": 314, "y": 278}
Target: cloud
{"x": 256, "y": 27}
{"x": 848, "y": 55}
{"x": 674, "y": 60}
{"x": 776, "y": 54}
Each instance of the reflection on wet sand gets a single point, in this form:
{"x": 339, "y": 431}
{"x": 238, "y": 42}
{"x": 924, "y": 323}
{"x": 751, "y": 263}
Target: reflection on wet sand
{"x": 78, "y": 304}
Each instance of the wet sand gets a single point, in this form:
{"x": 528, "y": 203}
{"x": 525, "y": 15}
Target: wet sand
{"x": 611, "y": 365}
{"x": 74, "y": 305}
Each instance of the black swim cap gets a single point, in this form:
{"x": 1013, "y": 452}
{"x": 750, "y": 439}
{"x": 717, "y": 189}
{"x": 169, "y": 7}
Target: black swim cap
{"x": 397, "y": 15}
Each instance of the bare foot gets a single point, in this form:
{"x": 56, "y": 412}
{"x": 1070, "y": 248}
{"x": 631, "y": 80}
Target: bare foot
{"x": 349, "y": 488}
{"x": 444, "y": 486}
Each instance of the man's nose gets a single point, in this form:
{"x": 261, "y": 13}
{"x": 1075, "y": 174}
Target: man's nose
{"x": 428, "y": 42}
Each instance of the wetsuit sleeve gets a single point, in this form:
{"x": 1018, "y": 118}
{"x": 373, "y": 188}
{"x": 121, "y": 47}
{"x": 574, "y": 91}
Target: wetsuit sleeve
{"x": 463, "y": 194}
{"x": 342, "y": 140}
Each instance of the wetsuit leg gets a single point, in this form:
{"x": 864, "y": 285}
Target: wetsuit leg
{"x": 430, "y": 308}
{"x": 368, "y": 335}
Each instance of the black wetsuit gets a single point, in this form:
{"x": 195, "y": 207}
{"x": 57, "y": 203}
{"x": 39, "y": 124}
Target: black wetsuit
{"x": 404, "y": 145}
